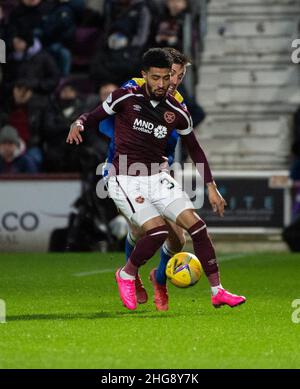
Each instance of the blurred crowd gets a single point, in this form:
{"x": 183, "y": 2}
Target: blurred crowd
{"x": 63, "y": 58}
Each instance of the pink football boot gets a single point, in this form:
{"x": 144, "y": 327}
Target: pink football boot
{"x": 160, "y": 293}
{"x": 126, "y": 291}
{"x": 223, "y": 297}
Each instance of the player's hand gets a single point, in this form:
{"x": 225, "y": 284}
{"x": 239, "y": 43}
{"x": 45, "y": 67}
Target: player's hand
{"x": 74, "y": 133}
{"x": 217, "y": 202}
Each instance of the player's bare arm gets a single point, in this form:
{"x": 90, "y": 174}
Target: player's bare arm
{"x": 91, "y": 119}
{"x": 84, "y": 121}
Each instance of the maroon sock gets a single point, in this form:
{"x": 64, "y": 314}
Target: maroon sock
{"x": 145, "y": 248}
{"x": 214, "y": 279}
{"x": 130, "y": 268}
{"x": 205, "y": 252}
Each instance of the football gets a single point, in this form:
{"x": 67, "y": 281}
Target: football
{"x": 184, "y": 270}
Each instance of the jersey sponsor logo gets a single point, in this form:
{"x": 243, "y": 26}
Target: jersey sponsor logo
{"x": 160, "y": 132}
{"x": 140, "y": 200}
{"x": 149, "y": 128}
{"x": 169, "y": 117}
{"x": 137, "y": 108}
{"x": 143, "y": 126}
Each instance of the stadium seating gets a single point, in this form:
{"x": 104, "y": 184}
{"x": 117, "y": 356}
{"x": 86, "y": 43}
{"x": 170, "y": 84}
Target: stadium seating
{"x": 248, "y": 84}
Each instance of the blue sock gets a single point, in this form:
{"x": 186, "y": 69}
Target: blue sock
{"x": 129, "y": 245}
{"x": 160, "y": 273}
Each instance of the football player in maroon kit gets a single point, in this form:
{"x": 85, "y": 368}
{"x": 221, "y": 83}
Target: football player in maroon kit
{"x": 145, "y": 116}
{"x": 176, "y": 237}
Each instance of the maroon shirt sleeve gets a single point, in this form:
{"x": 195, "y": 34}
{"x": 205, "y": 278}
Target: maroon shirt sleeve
{"x": 111, "y": 105}
{"x": 197, "y": 154}
{"x": 92, "y": 119}
{"x": 185, "y": 130}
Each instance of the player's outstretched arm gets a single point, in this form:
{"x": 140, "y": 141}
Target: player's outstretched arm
{"x": 198, "y": 156}
{"x": 86, "y": 120}
{"x": 112, "y": 105}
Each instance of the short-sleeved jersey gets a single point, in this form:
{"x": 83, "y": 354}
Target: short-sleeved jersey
{"x": 143, "y": 126}
{"x": 107, "y": 127}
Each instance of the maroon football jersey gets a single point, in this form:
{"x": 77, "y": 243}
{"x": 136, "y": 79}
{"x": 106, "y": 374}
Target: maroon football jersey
{"x": 142, "y": 126}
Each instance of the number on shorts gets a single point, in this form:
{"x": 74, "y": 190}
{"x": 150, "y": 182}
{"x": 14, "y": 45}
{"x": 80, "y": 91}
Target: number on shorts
{"x": 170, "y": 185}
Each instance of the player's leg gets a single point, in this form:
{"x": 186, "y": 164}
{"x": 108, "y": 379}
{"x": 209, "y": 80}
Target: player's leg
{"x": 204, "y": 250}
{"x": 155, "y": 234}
{"x": 122, "y": 190}
{"x": 164, "y": 191}
{"x": 134, "y": 234}
{"x": 174, "y": 244}
{"x": 177, "y": 207}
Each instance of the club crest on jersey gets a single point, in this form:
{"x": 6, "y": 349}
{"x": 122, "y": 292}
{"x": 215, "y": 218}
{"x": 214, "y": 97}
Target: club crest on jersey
{"x": 160, "y": 132}
{"x": 169, "y": 117}
{"x": 140, "y": 200}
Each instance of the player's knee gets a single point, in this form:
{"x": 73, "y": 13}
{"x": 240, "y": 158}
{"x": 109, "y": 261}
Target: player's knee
{"x": 181, "y": 240}
{"x": 177, "y": 242}
{"x": 148, "y": 245}
{"x": 136, "y": 232}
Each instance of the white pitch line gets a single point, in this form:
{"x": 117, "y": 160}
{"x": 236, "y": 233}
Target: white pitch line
{"x": 222, "y": 258}
{"x": 90, "y": 273}
{"x": 225, "y": 258}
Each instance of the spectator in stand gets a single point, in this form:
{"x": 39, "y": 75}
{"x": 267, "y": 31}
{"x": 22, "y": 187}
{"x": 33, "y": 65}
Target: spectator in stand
{"x": 2, "y": 23}
{"x": 104, "y": 91}
{"x": 89, "y": 31}
{"x": 28, "y": 15}
{"x": 58, "y": 30}
{"x": 60, "y": 114}
{"x": 169, "y": 30}
{"x": 2, "y": 28}
{"x": 6, "y": 7}
{"x": 95, "y": 5}
{"x": 127, "y": 31}
{"x": 29, "y": 61}
{"x": 53, "y": 22}
{"x": 12, "y": 159}
{"x": 24, "y": 111}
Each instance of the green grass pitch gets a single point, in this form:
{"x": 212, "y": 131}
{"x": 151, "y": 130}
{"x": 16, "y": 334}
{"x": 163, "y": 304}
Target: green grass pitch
{"x": 63, "y": 311}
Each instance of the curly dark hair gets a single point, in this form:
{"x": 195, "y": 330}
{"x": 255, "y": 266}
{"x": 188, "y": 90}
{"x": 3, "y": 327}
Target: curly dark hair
{"x": 157, "y": 58}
